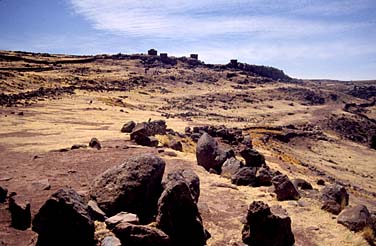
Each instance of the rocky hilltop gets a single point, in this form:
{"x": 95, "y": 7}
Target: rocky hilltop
{"x": 149, "y": 149}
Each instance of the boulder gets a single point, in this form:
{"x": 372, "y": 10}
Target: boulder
{"x": 335, "y": 198}
{"x": 208, "y": 153}
{"x": 178, "y": 216}
{"x": 245, "y": 176}
{"x": 110, "y": 241}
{"x": 175, "y": 145}
{"x": 355, "y": 218}
{"x": 284, "y": 188}
{"x": 302, "y": 184}
{"x": 133, "y": 186}
{"x": 20, "y": 212}
{"x": 120, "y": 218}
{"x": 128, "y": 127}
{"x": 95, "y": 212}
{"x": 151, "y": 128}
{"x": 3, "y": 194}
{"x": 252, "y": 157}
{"x": 320, "y": 182}
{"x": 64, "y": 220}
{"x": 94, "y": 143}
{"x": 230, "y": 167}
{"x": 266, "y": 227}
{"x": 264, "y": 176}
{"x": 189, "y": 177}
{"x": 140, "y": 235}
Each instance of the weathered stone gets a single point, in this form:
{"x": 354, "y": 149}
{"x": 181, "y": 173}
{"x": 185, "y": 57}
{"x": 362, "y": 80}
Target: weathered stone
{"x": 175, "y": 145}
{"x": 3, "y": 194}
{"x": 95, "y": 212}
{"x": 302, "y": 184}
{"x": 263, "y": 227}
{"x": 189, "y": 177}
{"x": 252, "y": 157}
{"x": 245, "y": 176}
{"x": 332, "y": 194}
{"x": 178, "y": 216}
{"x": 94, "y": 143}
{"x": 39, "y": 185}
{"x": 140, "y": 235}
{"x": 64, "y": 220}
{"x": 133, "y": 186}
{"x": 320, "y": 182}
{"x": 128, "y": 127}
{"x": 264, "y": 176}
{"x": 20, "y": 212}
{"x": 284, "y": 188}
{"x": 230, "y": 167}
{"x": 208, "y": 154}
{"x": 355, "y": 218}
{"x": 122, "y": 217}
{"x": 110, "y": 241}
{"x": 78, "y": 146}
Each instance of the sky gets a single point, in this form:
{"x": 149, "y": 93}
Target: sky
{"x": 332, "y": 39}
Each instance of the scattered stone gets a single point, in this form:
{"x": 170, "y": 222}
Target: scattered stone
{"x": 20, "y": 212}
{"x": 120, "y": 218}
{"x": 335, "y": 198}
{"x": 140, "y": 235}
{"x": 128, "y": 127}
{"x": 170, "y": 153}
{"x": 208, "y": 154}
{"x": 133, "y": 186}
{"x": 230, "y": 167}
{"x": 245, "y": 176}
{"x": 284, "y": 188}
{"x": 64, "y": 220}
{"x": 110, "y": 241}
{"x": 320, "y": 182}
{"x": 302, "y": 184}
{"x": 3, "y": 194}
{"x": 94, "y": 143}
{"x": 175, "y": 145}
{"x": 252, "y": 157}
{"x": 95, "y": 212}
{"x": 187, "y": 176}
{"x": 264, "y": 176}
{"x": 355, "y": 218}
{"x": 178, "y": 216}
{"x": 266, "y": 227}
{"x": 224, "y": 185}
{"x": 3, "y": 179}
{"x": 40, "y": 185}
{"x": 78, "y": 146}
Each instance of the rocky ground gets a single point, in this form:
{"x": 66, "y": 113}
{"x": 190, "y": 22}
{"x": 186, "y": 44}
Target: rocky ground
{"x": 309, "y": 130}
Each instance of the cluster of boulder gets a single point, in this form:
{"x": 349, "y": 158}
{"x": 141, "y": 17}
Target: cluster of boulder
{"x": 136, "y": 204}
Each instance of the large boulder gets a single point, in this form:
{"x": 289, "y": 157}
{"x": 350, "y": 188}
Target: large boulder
{"x": 189, "y": 177}
{"x": 335, "y": 198}
{"x": 252, "y": 157}
{"x": 230, "y": 167}
{"x": 208, "y": 153}
{"x": 245, "y": 176}
{"x": 355, "y": 218}
{"x": 284, "y": 188}
{"x": 178, "y": 216}
{"x": 140, "y": 235}
{"x": 266, "y": 227}
{"x": 19, "y": 208}
{"x": 264, "y": 176}
{"x": 133, "y": 186}
{"x": 128, "y": 127}
{"x": 64, "y": 220}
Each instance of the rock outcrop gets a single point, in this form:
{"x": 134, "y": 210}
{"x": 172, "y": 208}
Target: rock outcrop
{"x": 133, "y": 186}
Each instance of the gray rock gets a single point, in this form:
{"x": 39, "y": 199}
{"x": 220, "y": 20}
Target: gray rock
{"x": 284, "y": 188}
{"x": 335, "y": 198}
{"x": 208, "y": 153}
{"x": 128, "y": 127}
{"x": 189, "y": 177}
{"x": 95, "y": 212}
{"x": 64, "y": 220}
{"x": 266, "y": 227}
{"x": 178, "y": 216}
{"x": 110, "y": 241}
{"x": 230, "y": 167}
{"x": 245, "y": 176}
{"x": 133, "y": 186}
{"x": 20, "y": 212}
{"x": 140, "y": 235}
{"x": 355, "y": 218}
{"x": 122, "y": 217}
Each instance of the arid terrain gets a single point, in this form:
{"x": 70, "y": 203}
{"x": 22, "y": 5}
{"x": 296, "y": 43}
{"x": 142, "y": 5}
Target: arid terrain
{"x": 308, "y": 129}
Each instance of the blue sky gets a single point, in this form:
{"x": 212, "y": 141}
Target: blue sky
{"x": 333, "y": 39}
